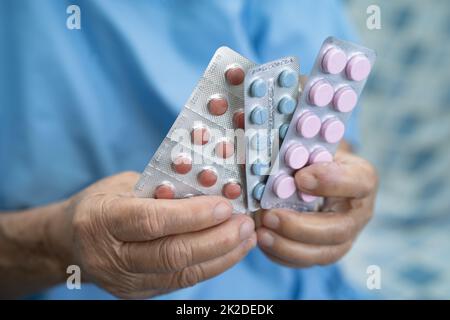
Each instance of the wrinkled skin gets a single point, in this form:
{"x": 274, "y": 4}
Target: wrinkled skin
{"x": 305, "y": 239}
{"x": 139, "y": 248}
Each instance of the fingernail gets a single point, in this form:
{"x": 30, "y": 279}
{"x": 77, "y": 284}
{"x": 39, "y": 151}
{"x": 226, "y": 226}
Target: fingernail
{"x": 271, "y": 221}
{"x": 308, "y": 182}
{"x": 246, "y": 230}
{"x": 222, "y": 211}
{"x": 266, "y": 239}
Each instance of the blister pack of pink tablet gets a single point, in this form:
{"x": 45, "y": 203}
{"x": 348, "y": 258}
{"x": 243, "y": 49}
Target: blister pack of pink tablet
{"x": 318, "y": 124}
{"x": 199, "y": 154}
{"x": 270, "y": 94}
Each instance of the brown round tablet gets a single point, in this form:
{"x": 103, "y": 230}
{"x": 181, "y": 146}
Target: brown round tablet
{"x": 200, "y": 135}
{"x": 182, "y": 164}
{"x": 239, "y": 119}
{"x": 235, "y": 75}
{"x": 218, "y": 106}
{"x": 207, "y": 177}
{"x": 164, "y": 191}
{"x": 232, "y": 190}
{"x": 224, "y": 149}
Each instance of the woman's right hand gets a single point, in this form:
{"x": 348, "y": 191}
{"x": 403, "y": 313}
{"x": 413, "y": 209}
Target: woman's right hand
{"x": 139, "y": 248}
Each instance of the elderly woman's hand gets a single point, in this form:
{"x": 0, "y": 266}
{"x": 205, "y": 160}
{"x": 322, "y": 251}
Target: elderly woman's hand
{"x": 305, "y": 239}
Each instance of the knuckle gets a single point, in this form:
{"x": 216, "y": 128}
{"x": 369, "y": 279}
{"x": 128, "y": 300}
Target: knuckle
{"x": 97, "y": 209}
{"x": 109, "y": 207}
{"x": 189, "y": 277}
{"x": 229, "y": 241}
{"x": 86, "y": 217}
{"x": 174, "y": 254}
{"x": 152, "y": 221}
{"x": 229, "y": 238}
{"x": 327, "y": 171}
{"x": 322, "y": 170}
{"x": 126, "y": 289}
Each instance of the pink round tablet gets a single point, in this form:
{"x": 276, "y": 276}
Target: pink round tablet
{"x": 217, "y": 106}
{"x": 182, "y": 164}
{"x": 320, "y": 155}
{"x": 334, "y": 61}
{"x": 200, "y": 136}
{"x": 284, "y": 186}
{"x": 164, "y": 191}
{"x": 224, "y": 149}
{"x": 235, "y": 75}
{"x": 296, "y": 156}
{"x": 333, "y": 130}
{"x": 207, "y": 177}
{"x": 358, "y": 68}
{"x": 308, "y": 125}
{"x": 345, "y": 99}
{"x": 239, "y": 119}
{"x": 321, "y": 93}
{"x": 232, "y": 190}
{"x": 307, "y": 197}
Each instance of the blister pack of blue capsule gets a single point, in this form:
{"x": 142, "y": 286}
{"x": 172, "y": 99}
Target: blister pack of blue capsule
{"x": 270, "y": 94}
{"x": 319, "y": 121}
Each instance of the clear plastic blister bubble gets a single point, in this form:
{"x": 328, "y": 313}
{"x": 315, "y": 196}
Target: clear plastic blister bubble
{"x": 197, "y": 174}
{"x": 168, "y": 187}
{"x": 218, "y": 144}
{"x": 270, "y": 93}
{"x": 203, "y": 140}
{"x": 214, "y": 103}
{"x": 318, "y": 124}
{"x": 228, "y": 69}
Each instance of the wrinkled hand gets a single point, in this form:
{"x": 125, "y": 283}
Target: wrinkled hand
{"x": 319, "y": 238}
{"x": 138, "y": 248}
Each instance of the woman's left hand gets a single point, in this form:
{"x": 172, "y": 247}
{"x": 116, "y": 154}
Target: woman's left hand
{"x": 298, "y": 239}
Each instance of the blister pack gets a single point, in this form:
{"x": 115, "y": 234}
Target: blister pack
{"x": 270, "y": 94}
{"x": 318, "y": 124}
{"x": 199, "y": 154}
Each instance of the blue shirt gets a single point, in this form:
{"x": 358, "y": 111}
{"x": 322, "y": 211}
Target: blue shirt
{"x": 79, "y": 105}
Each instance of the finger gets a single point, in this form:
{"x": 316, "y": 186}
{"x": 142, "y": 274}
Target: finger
{"x": 194, "y": 274}
{"x": 281, "y": 261}
{"x": 138, "y": 219}
{"x": 170, "y": 254}
{"x": 297, "y": 253}
{"x": 350, "y": 179}
{"x": 314, "y": 228}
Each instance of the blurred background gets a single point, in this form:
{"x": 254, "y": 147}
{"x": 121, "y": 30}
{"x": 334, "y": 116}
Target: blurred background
{"x": 405, "y": 127}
